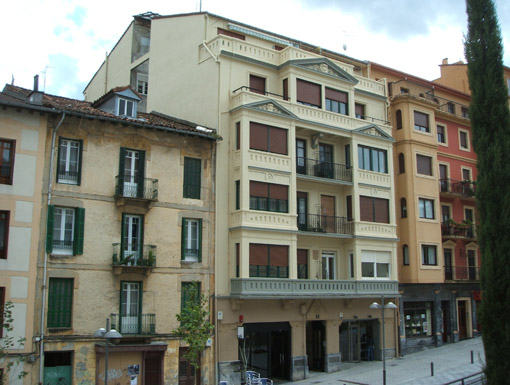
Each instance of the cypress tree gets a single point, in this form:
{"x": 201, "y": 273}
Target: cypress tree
{"x": 490, "y": 125}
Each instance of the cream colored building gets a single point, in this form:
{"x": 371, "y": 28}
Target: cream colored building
{"x": 129, "y": 227}
{"x": 305, "y": 225}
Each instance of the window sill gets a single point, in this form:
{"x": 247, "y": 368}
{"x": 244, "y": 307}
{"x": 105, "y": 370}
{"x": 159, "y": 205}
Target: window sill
{"x": 60, "y": 255}
{"x": 189, "y": 262}
{"x": 56, "y": 329}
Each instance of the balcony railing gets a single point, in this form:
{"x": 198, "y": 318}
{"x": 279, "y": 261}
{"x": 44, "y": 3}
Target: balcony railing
{"x": 461, "y": 273}
{"x": 70, "y": 177}
{"x": 325, "y": 224}
{"x": 314, "y": 167}
{"x": 148, "y": 190}
{"x": 302, "y": 288}
{"x": 262, "y": 92}
{"x": 134, "y": 255}
{"x": 464, "y": 188}
{"x": 134, "y": 324}
{"x": 458, "y": 230}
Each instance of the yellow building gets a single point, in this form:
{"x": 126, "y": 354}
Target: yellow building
{"x": 305, "y": 225}
{"x": 127, "y": 228}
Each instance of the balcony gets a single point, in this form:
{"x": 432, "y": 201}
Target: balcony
{"x": 327, "y": 170}
{"x": 461, "y": 273}
{"x": 141, "y": 324}
{"x": 303, "y": 288}
{"x": 133, "y": 258}
{"x": 325, "y": 224}
{"x": 67, "y": 177}
{"x": 129, "y": 192}
{"x": 453, "y": 230}
{"x": 452, "y": 188}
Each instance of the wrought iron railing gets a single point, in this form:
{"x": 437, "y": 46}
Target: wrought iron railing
{"x": 458, "y": 230}
{"x": 262, "y": 92}
{"x": 70, "y": 177}
{"x": 461, "y": 273}
{"x": 134, "y": 255}
{"x": 145, "y": 189}
{"x": 314, "y": 167}
{"x": 63, "y": 245}
{"x": 465, "y": 188}
{"x": 134, "y": 324}
{"x": 325, "y": 224}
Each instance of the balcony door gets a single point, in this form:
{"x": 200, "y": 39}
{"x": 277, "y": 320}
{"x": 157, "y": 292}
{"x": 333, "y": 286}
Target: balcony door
{"x": 328, "y": 265}
{"x": 443, "y": 177}
{"x": 131, "y": 167}
{"x": 300, "y": 156}
{"x": 471, "y": 264}
{"x": 302, "y": 204}
{"x": 325, "y": 160}
{"x": 132, "y": 237}
{"x": 130, "y": 307}
{"x": 448, "y": 266}
{"x": 328, "y": 213}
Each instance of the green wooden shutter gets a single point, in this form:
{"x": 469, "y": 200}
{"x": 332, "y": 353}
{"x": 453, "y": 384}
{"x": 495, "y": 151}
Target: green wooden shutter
{"x": 60, "y": 302}
{"x": 58, "y": 159}
{"x": 141, "y": 174}
{"x": 199, "y": 240}
{"x": 49, "y": 228}
{"x": 192, "y": 178}
{"x": 80, "y": 160}
{"x": 184, "y": 239}
{"x": 122, "y": 162}
{"x": 79, "y": 230}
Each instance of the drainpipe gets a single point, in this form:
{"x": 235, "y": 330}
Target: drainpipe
{"x": 45, "y": 268}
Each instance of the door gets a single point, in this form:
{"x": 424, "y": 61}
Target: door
{"x": 188, "y": 375}
{"x": 328, "y": 265}
{"x": 315, "y": 345}
{"x": 443, "y": 177}
{"x": 58, "y": 368}
{"x": 445, "y": 309}
{"x": 132, "y": 238}
{"x": 131, "y": 170}
{"x": 448, "y": 268}
{"x": 152, "y": 365}
{"x": 302, "y": 204}
{"x": 471, "y": 265}
{"x": 325, "y": 161}
{"x": 300, "y": 156}
{"x": 130, "y": 307}
{"x": 354, "y": 342}
{"x": 280, "y": 353}
{"x": 328, "y": 213}
{"x": 462, "y": 318}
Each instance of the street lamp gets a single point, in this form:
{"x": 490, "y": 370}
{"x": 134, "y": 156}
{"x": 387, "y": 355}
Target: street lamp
{"x": 102, "y": 333}
{"x": 382, "y": 306}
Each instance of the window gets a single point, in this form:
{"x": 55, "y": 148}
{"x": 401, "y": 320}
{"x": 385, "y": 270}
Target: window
{"x": 348, "y": 203}
{"x": 191, "y": 245}
{"x": 424, "y": 164}
{"x": 190, "y": 291}
{"x": 60, "y": 302}
{"x": 426, "y": 208}
{"x": 4, "y": 233}
{"x": 403, "y": 208}
{"x": 238, "y": 256}
{"x": 337, "y": 101}
{"x": 429, "y": 255}
{"x": 463, "y": 140}
{"x": 421, "y": 122}
{"x": 418, "y": 319}
{"x": 131, "y": 177}
{"x": 192, "y": 178}
{"x": 401, "y": 163}
{"x": 238, "y": 194}
{"x": 372, "y": 159}
{"x": 6, "y": 161}
{"x": 405, "y": 255}
{"x": 257, "y": 84}
{"x": 398, "y": 116}
{"x": 451, "y": 108}
{"x": 269, "y": 197}
{"x": 375, "y": 264}
{"x": 300, "y": 156}
{"x": 302, "y": 210}
{"x": 131, "y": 307}
{"x": 69, "y": 161}
{"x": 65, "y": 230}
{"x": 441, "y": 134}
{"x": 359, "y": 109}
{"x": 285, "y": 86}
{"x": 464, "y": 112}
{"x": 445, "y": 213}
{"x": 132, "y": 237}
{"x": 142, "y": 83}
{"x": 271, "y": 261}
{"x": 268, "y": 138}
{"x": 374, "y": 209}
{"x": 308, "y": 93}
{"x": 302, "y": 263}
{"x": 126, "y": 108}
{"x": 238, "y": 135}
{"x": 328, "y": 265}
{"x": 404, "y": 90}
{"x": 2, "y": 304}
{"x": 466, "y": 174}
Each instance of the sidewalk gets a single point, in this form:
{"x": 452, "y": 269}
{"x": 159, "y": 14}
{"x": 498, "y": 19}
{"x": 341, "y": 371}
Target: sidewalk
{"x": 451, "y": 362}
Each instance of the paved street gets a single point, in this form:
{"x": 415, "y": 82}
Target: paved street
{"x": 451, "y": 362}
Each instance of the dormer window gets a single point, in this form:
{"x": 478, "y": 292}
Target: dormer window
{"x": 126, "y": 108}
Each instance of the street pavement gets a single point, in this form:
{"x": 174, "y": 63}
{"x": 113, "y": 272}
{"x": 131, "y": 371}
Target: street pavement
{"x": 451, "y": 362}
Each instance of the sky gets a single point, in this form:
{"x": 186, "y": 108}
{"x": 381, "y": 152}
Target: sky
{"x": 65, "y": 41}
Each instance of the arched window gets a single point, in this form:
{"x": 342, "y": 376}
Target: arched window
{"x": 403, "y": 208}
{"x": 401, "y": 163}
{"x": 399, "y": 119}
{"x": 405, "y": 254}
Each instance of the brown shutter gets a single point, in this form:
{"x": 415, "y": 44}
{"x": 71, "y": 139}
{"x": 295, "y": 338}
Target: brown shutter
{"x": 424, "y": 164}
{"x": 279, "y": 255}
{"x": 399, "y": 119}
{"x": 309, "y": 93}
{"x": 258, "y": 136}
{"x": 339, "y": 96}
{"x": 279, "y": 191}
{"x": 303, "y": 195}
{"x": 258, "y": 254}
{"x": 401, "y": 164}
{"x": 366, "y": 209}
{"x": 285, "y": 89}
{"x": 421, "y": 119}
{"x": 278, "y": 140}
{"x": 257, "y": 84}
{"x": 258, "y": 189}
{"x": 359, "y": 109}
{"x": 225, "y": 32}
{"x": 381, "y": 209}
{"x": 302, "y": 256}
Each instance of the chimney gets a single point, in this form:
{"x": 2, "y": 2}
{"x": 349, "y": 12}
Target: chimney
{"x": 445, "y": 61}
{"x": 36, "y": 83}
{"x": 36, "y": 96}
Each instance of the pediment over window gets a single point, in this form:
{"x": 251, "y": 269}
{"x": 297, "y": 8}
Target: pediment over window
{"x": 373, "y": 130}
{"x": 327, "y": 67}
{"x": 270, "y": 106}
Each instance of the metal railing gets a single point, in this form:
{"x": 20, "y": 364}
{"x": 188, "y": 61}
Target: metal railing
{"x": 134, "y": 324}
{"x": 63, "y": 245}
{"x": 134, "y": 255}
{"x": 70, "y": 177}
{"x": 473, "y": 379}
{"x": 145, "y": 189}
{"x": 465, "y": 188}
{"x": 262, "y": 92}
{"x": 320, "y": 169}
{"x": 458, "y": 231}
{"x": 325, "y": 224}
{"x": 461, "y": 273}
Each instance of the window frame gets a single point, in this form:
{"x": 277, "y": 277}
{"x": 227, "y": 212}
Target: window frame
{"x": 268, "y": 203}
{"x": 403, "y": 207}
{"x": 6, "y": 220}
{"x": 401, "y": 163}
{"x": 419, "y": 168}
{"x": 425, "y": 258}
{"x": 375, "y": 260}
{"x": 468, "y": 141}
{"x": 254, "y": 270}
{"x": 374, "y": 215}
{"x": 185, "y": 240}
{"x": 7, "y": 179}
{"x": 60, "y": 306}
{"x": 444, "y": 135}
{"x": 342, "y": 107}
{"x": 422, "y": 208}
{"x": 363, "y": 157}
{"x": 61, "y": 173}
{"x": 125, "y": 108}
{"x": 302, "y": 268}
{"x": 405, "y": 255}
{"x": 272, "y": 135}
{"x": 418, "y": 127}
{"x": 192, "y": 178}
{"x": 142, "y": 80}
{"x": 77, "y": 231}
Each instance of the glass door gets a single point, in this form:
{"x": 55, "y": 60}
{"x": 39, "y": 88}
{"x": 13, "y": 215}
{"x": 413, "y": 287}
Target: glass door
{"x": 131, "y": 169}
{"x": 328, "y": 265}
{"x": 130, "y": 307}
{"x": 131, "y": 244}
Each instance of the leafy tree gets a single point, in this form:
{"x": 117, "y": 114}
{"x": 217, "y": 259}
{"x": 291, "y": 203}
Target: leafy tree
{"x": 9, "y": 342}
{"x": 195, "y": 326}
{"x": 490, "y": 124}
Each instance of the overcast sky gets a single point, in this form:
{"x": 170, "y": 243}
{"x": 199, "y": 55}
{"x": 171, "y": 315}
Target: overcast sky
{"x": 65, "y": 41}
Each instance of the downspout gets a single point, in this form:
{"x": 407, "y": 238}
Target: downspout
{"x": 45, "y": 268}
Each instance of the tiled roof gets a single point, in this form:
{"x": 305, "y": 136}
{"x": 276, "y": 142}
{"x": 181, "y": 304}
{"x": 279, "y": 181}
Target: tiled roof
{"x": 19, "y": 97}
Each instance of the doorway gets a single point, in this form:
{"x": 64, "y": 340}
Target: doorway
{"x": 445, "y": 310}
{"x": 188, "y": 374}
{"x": 153, "y": 363}
{"x": 316, "y": 345}
{"x": 355, "y": 339}
{"x": 462, "y": 319}
{"x": 57, "y": 368}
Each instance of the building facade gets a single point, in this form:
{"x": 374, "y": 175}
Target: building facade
{"x": 127, "y": 230}
{"x": 435, "y": 173}
{"x": 305, "y": 227}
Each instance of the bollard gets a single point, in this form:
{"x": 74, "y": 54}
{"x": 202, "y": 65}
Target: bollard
{"x": 432, "y": 369}
{"x": 472, "y": 360}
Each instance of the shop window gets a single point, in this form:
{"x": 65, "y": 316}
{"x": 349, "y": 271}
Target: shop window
{"x": 418, "y": 319}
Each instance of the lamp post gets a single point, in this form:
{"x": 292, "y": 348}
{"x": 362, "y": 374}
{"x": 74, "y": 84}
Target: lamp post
{"x": 382, "y": 306}
{"x": 102, "y": 333}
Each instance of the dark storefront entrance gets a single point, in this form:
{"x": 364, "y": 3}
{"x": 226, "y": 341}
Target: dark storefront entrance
{"x": 354, "y": 336}
{"x": 315, "y": 345}
{"x": 266, "y": 349}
